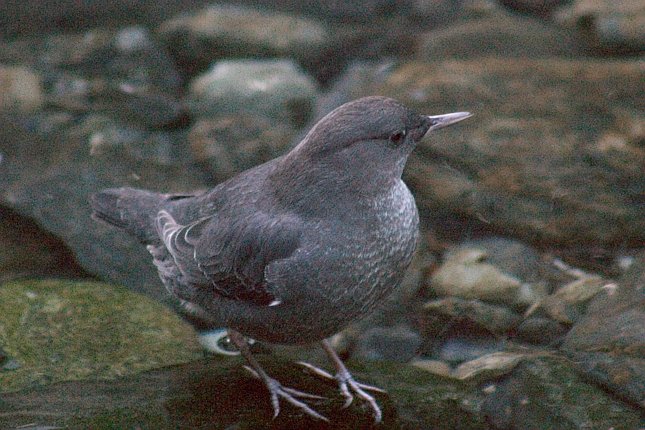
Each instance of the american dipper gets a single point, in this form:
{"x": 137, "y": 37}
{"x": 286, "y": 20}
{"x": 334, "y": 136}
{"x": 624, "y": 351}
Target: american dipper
{"x": 294, "y": 249}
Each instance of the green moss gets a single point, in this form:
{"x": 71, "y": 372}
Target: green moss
{"x": 65, "y": 330}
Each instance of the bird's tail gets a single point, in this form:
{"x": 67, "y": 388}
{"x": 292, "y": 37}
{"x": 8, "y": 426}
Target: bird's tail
{"x": 130, "y": 209}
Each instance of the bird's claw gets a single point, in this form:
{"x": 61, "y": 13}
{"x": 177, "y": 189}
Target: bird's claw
{"x": 277, "y": 391}
{"x": 347, "y": 384}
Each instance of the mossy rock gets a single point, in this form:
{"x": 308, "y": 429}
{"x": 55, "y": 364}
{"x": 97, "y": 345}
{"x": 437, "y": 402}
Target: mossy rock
{"x": 54, "y": 330}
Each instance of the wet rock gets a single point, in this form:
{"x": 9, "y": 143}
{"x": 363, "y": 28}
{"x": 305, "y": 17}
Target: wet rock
{"x": 521, "y": 164}
{"x": 487, "y": 367}
{"x": 219, "y": 393}
{"x": 461, "y": 346}
{"x": 54, "y": 161}
{"x": 125, "y": 74}
{"x": 436, "y": 367}
{"x": 568, "y": 303}
{"x": 224, "y": 30}
{"x": 496, "y": 319}
{"x": 542, "y": 8}
{"x": 399, "y": 343}
{"x": 63, "y": 330}
{"x": 609, "y": 340}
{"x": 466, "y": 273}
{"x": 229, "y": 144}
{"x": 546, "y": 392}
{"x": 28, "y": 251}
{"x": 609, "y": 26}
{"x": 276, "y": 89}
{"x": 497, "y": 33}
{"x": 21, "y": 89}
{"x": 540, "y": 331}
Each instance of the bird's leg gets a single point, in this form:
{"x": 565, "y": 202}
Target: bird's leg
{"x": 346, "y": 382}
{"x": 276, "y": 390}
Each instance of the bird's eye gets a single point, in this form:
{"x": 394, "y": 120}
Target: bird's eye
{"x": 397, "y": 137}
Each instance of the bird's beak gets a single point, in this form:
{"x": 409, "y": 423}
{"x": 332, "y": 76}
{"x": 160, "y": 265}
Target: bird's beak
{"x": 441, "y": 121}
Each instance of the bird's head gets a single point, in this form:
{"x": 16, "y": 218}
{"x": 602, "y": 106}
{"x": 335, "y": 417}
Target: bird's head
{"x": 371, "y": 131}
{"x": 363, "y": 144}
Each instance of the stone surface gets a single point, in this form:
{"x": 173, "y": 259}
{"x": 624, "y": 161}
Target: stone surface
{"x": 276, "y": 89}
{"x": 27, "y": 251}
{"x": 568, "y": 303}
{"x": 398, "y": 343}
{"x": 540, "y": 331}
{"x": 466, "y": 274}
{"x": 521, "y": 164}
{"x": 219, "y": 394}
{"x": 228, "y": 144}
{"x": 54, "y": 161}
{"x": 224, "y": 30}
{"x": 21, "y": 89}
{"x": 610, "y": 26}
{"x": 546, "y": 392}
{"x": 496, "y": 319}
{"x": 496, "y": 33}
{"x": 63, "y": 330}
{"x": 608, "y": 342}
{"x": 487, "y": 367}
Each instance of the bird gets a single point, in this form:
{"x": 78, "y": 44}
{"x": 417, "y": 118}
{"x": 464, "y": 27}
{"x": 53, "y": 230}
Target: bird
{"x": 293, "y": 250}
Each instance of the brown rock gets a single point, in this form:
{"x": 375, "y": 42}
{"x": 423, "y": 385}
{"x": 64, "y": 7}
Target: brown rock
{"x": 535, "y": 160}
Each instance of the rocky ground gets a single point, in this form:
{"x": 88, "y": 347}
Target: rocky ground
{"x": 525, "y": 305}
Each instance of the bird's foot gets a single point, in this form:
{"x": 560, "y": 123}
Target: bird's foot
{"x": 290, "y": 395}
{"x": 347, "y": 384}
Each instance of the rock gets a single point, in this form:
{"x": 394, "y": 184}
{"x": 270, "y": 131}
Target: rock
{"x": 21, "y": 89}
{"x": 497, "y": 33}
{"x": 487, "y": 367}
{"x": 124, "y": 73}
{"x": 567, "y": 304}
{"x": 609, "y": 340}
{"x": 462, "y": 345}
{"x": 436, "y": 367}
{"x": 520, "y": 164}
{"x": 466, "y": 273}
{"x": 609, "y": 26}
{"x": 229, "y": 144}
{"x": 65, "y": 330}
{"x": 225, "y": 30}
{"x": 496, "y": 319}
{"x": 53, "y": 162}
{"x": 546, "y": 392}
{"x": 27, "y": 251}
{"x": 277, "y": 89}
{"x": 542, "y": 8}
{"x": 186, "y": 396}
{"x": 540, "y": 331}
{"x": 399, "y": 343}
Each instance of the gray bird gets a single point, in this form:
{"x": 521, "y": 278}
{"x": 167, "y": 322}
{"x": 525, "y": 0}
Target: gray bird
{"x": 294, "y": 249}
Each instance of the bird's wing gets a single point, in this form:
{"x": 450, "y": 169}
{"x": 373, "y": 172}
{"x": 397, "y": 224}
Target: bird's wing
{"x": 230, "y": 256}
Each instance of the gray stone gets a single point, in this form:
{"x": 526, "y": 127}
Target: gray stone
{"x": 568, "y": 302}
{"x": 228, "y": 144}
{"x": 609, "y": 26}
{"x": 52, "y": 162}
{"x": 546, "y": 392}
{"x": 496, "y": 319}
{"x": 27, "y": 251}
{"x": 497, "y": 33}
{"x": 399, "y": 343}
{"x": 276, "y": 89}
{"x": 609, "y": 340}
{"x": 226, "y": 30}
{"x": 540, "y": 331}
